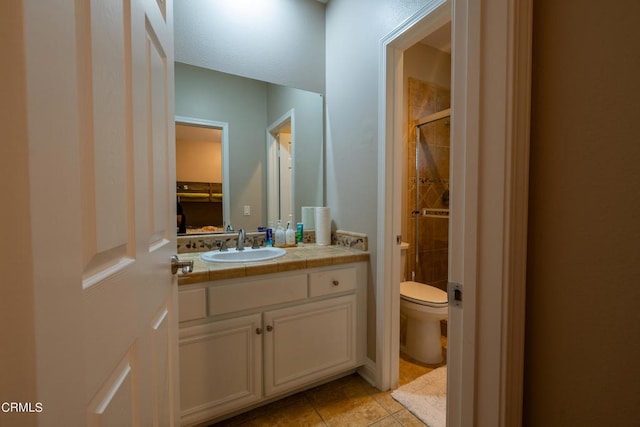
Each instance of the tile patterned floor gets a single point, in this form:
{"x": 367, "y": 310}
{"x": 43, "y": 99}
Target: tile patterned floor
{"x": 348, "y": 401}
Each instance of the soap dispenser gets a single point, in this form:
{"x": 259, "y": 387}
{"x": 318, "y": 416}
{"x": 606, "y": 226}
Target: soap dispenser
{"x": 290, "y": 237}
{"x": 280, "y": 238}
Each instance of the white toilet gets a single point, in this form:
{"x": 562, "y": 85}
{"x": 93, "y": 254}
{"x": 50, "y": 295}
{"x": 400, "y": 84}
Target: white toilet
{"x": 424, "y": 306}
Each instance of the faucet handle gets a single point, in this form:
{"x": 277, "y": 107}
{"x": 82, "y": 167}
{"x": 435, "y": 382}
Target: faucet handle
{"x": 223, "y": 246}
{"x": 255, "y": 244}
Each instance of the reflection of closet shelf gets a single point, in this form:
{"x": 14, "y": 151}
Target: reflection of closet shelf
{"x": 199, "y": 191}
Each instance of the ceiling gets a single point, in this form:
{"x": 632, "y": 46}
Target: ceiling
{"x": 440, "y": 38}
{"x": 196, "y": 133}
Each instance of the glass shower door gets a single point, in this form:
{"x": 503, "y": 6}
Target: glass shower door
{"x": 431, "y": 214}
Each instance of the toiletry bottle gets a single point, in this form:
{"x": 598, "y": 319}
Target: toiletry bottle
{"x": 279, "y": 241}
{"x": 299, "y": 233}
{"x": 269, "y": 236}
{"x": 290, "y": 234}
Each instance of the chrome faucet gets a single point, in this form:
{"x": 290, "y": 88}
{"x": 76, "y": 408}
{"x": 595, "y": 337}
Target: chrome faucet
{"x": 240, "y": 243}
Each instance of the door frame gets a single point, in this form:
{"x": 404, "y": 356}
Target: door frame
{"x": 273, "y": 181}
{"x": 224, "y": 126}
{"x": 491, "y": 71}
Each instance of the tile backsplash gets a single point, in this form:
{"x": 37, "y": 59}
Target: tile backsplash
{"x": 210, "y": 242}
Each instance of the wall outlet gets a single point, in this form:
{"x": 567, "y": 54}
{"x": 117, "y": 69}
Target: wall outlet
{"x": 247, "y": 210}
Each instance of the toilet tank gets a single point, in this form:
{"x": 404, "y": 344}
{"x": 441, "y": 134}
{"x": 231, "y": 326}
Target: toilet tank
{"x": 403, "y": 260}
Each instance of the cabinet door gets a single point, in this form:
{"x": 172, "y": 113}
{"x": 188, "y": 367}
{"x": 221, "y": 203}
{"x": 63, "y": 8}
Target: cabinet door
{"x": 309, "y": 342}
{"x": 220, "y": 367}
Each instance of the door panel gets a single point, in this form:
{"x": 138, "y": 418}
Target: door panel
{"x": 113, "y": 404}
{"x": 161, "y": 382}
{"x": 157, "y": 77}
{"x": 110, "y": 136}
{"x": 105, "y": 139}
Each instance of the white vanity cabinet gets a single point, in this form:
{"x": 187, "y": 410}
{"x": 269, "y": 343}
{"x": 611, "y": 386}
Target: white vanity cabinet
{"x": 308, "y": 342}
{"x": 220, "y": 366}
{"x": 265, "y": 336}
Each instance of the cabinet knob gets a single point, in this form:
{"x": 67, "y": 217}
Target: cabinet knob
{"x": 269, "y": 328}
{"x": 259, "y": 331}
{"x": 336, "y": 283}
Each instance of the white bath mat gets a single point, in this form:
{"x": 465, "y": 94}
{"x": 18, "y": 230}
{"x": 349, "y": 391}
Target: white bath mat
{"x": 426, "y": 397}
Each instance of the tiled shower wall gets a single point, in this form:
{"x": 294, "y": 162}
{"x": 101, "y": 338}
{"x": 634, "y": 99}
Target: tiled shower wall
{"x": 431, "y": 179}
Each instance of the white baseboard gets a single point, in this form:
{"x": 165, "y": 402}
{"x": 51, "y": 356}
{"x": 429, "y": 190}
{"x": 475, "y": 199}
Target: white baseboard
{"x": 369, "y": 372}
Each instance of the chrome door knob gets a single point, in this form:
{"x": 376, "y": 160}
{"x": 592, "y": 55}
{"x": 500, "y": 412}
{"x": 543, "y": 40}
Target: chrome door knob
{"x": 187, "y": 266}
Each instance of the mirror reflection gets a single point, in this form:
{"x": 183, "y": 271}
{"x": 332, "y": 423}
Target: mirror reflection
{"x": 199, "y": 178}
{"x": 280, "y": 169}
{"x": 274, "y": 162}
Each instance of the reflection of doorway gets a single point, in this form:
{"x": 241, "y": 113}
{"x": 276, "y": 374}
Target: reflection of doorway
{"x": 280, "y": 172}
{"x": 202, "y": 179}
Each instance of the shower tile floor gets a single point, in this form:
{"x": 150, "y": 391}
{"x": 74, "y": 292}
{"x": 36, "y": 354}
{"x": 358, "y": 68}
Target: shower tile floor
{"x": 349, "y": 401}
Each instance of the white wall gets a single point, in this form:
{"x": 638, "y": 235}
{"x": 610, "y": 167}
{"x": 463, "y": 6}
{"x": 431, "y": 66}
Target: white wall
{"x": 198, "y": 161}
{"x": 278, "y": 41}
{"x": 309, "y": 139}
{"x": 427, "y": 64}
{"x": 354, "y": 30}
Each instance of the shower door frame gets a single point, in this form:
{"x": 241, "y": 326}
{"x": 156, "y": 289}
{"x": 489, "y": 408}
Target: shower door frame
{"x": 431, "y": 118}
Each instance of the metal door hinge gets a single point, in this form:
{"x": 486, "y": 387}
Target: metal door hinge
{"x": 454, "y": 291}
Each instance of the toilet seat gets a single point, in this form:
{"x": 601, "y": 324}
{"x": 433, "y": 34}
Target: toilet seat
{"x": 422, "y": 294}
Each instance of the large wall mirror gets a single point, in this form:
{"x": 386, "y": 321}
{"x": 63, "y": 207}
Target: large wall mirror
{"x": 265, "y": 152}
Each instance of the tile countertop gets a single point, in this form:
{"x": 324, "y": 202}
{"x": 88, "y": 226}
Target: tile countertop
{"x": 309, "y": 255}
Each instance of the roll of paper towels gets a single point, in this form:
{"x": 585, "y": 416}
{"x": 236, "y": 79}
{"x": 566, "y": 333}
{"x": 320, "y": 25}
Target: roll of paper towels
{"x": 323, "y": 226}
{"x": 308, "y": 217}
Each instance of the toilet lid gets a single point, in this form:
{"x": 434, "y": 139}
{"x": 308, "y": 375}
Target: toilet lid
{"x": 421, "y": 293}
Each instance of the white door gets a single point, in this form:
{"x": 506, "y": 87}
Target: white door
{"x": 99, "y": 114}
{"x": 280, "y": 173}
{"x": 285, "y": 170}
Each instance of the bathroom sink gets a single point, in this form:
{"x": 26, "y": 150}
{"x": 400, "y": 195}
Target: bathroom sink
{"x": 247, "y": 255}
